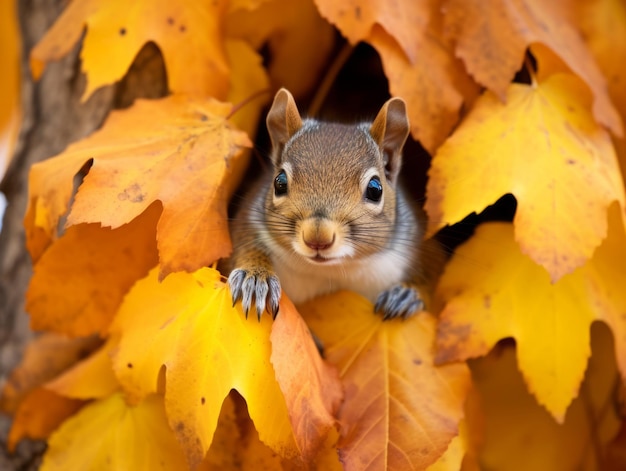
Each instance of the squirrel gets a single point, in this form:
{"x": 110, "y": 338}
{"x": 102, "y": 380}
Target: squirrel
{"x": 329, "y": 216}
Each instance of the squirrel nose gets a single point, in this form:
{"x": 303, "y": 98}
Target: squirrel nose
{"x": 318, "y": 242}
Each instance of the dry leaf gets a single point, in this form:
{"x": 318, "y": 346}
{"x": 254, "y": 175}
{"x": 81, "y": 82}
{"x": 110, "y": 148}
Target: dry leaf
{"x": 505, "y": 294}
{"x": 176, "y": 150}
{"x": 39, "y": 414}
{"x": 188, "y": 34}
{"x": 492, "y": 41}
{"x": 543, "y": 147}
{"x": 79, "y": 282}
{"x": 298, "y": 39}
{"x": 44, "y": 358}
{"x": 536, "y": 441}
{"x": 400, "y": 411}
{"x": 109, "y": 434}
{"x": 208, "y": 348}
{"x": 10, "y": 107}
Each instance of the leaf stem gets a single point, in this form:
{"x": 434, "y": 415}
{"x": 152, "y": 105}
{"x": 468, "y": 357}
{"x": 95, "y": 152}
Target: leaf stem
{"x": 247, "y": 100}
{"x": 329, "y": 78}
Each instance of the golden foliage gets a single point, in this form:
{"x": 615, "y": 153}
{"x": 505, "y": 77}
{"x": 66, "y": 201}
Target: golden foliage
{"x": 123, "y": 225}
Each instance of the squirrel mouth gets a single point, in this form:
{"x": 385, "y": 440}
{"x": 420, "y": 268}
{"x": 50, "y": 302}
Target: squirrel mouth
{"x": 319, "y": 259}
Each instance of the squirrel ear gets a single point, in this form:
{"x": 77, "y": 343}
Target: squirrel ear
{"x": 390, "y": 130}
{"x": 283, "y": 120}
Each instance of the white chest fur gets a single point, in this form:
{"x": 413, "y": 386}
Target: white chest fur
{"x": 302, "y": 281}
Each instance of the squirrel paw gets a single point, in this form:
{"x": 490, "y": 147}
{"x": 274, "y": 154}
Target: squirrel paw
{"x": 263, "y": 286}
{"x": 398, "y": 301}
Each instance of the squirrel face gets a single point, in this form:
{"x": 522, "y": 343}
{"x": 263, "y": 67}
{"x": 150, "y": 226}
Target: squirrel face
{"x": 333, "y": 195}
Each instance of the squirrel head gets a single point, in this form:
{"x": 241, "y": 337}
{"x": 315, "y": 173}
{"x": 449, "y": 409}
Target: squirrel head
{"x": 333, "y": 194}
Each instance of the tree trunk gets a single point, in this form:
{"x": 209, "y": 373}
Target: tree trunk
{"x": 53, "y": 117}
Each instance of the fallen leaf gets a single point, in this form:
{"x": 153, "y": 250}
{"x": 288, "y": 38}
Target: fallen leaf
{"x": 109, "y": 434}
{"x": 188, "y": 34}
{"x": 285, "y": 28}
{"x": 311, "y": 388}
{"x": 177, "y": 150}
{"x": 225, "y": 451}
{"x": 504, "y": 294}
{"x": 537, "y": 441}
{"x": 45, "y": 357}
{"x": 80, "y": 298}
{"x": 418, "y": 61}
{"x": 10, "y": 107}
{"x": 429, "y": 86}
{"x": 187, "y": 324}
{"x": 406, "y": 22}
{"x": 400, "y": 411}
{"x": 493, "y": 39}
{"x": 91, "y": 378}
{"x": 39, "y": 414}
{"x": 544, "y": 147}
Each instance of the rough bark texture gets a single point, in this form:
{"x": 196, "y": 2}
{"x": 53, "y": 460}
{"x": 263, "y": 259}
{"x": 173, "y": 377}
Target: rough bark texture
{"x": 53, "y": 118}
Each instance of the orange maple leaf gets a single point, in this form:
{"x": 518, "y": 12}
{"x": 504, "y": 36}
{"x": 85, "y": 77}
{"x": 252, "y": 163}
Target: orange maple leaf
{"x": 80, "y": 298}
{"x": 400, "y": 411}
{"x": 188, "y": 34}
{"x": 418, "y": 60}
{"x": 492, "y": 42}
{"x": 177, "y": 150}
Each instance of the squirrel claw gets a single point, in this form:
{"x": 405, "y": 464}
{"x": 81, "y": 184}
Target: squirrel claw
{"x": 398, "y": 301}
{"x": 263, "y": 287}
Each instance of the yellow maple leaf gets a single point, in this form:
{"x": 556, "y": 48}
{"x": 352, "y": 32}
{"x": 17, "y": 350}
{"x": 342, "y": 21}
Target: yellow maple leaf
{"x": 400, "y": 411}
{"x": 188, "y": 34}
{"x": 109, "y": 434}
{"x": 187, "y": 324}
{"x": 492, "y": 43}
{"x": 499, "y": 399}
{"x": 177, "y": 150}
{"x": 544, "y": 147}
{"x": 80, "y": 298}
{"x": 505, "y": 294}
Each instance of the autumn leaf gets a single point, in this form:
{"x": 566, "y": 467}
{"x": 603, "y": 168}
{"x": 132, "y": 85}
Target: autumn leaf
{"x": 45, "y": 357}
{"x": 492, "y": 43}
{"x": 187, "y": 33}
{"x": 286, "y": 29}
{"x": 311, "y": 387}
{"x": 81, "y": 298}
{"x": 10, "y": 108}
{"x": 500, "y": 398}
{"x": 109, "y": 434}
{"x": 595, "y": 19}
{"x": 208, "y": 348}
{"x": 417, "y": 59}
{"x": 543, "y": 147}
{"x": 176, "y": 150}
{"x": 39, "y": 414}
{"x": 508, "y": 295}
{"x": 387, "y": 371}
{"x": 91, "y": 378}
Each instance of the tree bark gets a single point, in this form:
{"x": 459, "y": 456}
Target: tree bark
{"x": 53, "y": 117}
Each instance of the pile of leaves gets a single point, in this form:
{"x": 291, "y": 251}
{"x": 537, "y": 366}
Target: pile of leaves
{"x": 145, "y": 364}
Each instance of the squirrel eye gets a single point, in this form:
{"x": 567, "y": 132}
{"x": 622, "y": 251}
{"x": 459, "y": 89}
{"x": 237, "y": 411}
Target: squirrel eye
{"x": 374, "y": 190}
{"x": 280, "y": 183}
